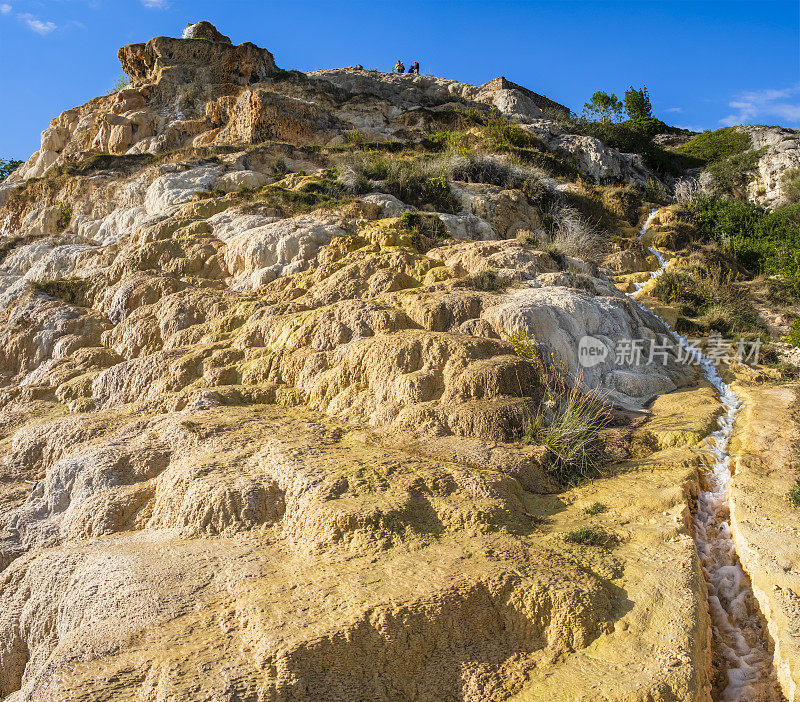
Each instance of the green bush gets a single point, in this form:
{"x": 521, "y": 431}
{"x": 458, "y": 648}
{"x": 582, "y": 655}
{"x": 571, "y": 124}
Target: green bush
{"x": 65, "y": 216}
{"x": 791, "y": 185}
{"x": 503, "y": 135}
{"x": 409, "y": 181}
{"x": 764, "y": 242}
{"x": 794, "y": 334}
{"x": 428, "y": 225}
{"x": 121, "y": 83}
{"x": 731, "y": 175}
{"x": 710, "y": 146}
{"x": 794, "y": 495}
{"x": 650, "y": 126}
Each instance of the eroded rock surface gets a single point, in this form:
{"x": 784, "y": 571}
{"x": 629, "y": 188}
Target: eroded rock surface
{"x": 261, "y": 421}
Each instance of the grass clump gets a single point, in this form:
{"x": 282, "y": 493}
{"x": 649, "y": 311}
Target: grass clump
{"x": 707, "y": 295}
{"x": 572, "y": 234}
{"x": 595, "y": 508}
{"x": 570, "y": 419}
{"x": 588, "y": 536}
{"x": 427, "y": 225}
{"x": 794, "y": 496}
{"x": 486, "y": 280}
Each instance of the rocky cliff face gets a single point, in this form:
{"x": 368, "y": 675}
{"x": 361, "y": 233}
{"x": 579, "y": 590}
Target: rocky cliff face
{"x": 781, "y": 153}
{"x": 259, "y": 413}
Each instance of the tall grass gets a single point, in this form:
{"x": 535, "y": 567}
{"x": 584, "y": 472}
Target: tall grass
{"x": 569, "y": 422}
{"x": 572, "y": 235}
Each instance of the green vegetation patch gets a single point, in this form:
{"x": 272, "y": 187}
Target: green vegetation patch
{"x": 71, "y": 290}
{"x": 569, "y": 423}
{"x": 716, "y": 145}
{"x": 727, "y": 155}
{"x": 587, "y": 536}
{"x": 7, "y": 167}
{"x": 761, "y": 241}
{"x": 708, "y": 300}
{"x": 595, "y": 508}
{"x": 486, "y": 280}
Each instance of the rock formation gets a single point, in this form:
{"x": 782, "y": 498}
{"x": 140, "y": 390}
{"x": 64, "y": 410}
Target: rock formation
{"x": 262, "y": 424}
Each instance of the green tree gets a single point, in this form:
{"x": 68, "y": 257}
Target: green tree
{"x": 637, "y": 103}
{"x": 7, "y": 167}
{"x": 604, "y": 106}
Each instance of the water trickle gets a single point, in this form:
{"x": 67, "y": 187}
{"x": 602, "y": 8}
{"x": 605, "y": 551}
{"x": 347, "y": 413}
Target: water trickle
{"x": 742, "y": 650}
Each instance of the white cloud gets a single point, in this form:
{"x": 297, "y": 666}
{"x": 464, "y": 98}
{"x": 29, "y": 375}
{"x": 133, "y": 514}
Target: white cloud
{"x": 5, "y": 9}
{"x": 674, "y": 109}
{"x": 763, "y": 105}
{"x": 36, "y": 25}
{"x": 155, "y": 4}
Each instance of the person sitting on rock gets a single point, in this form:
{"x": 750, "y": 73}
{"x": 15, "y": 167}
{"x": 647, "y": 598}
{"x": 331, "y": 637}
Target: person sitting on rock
{"x": 399, "y": 67}
{"x": 414, "y": 68}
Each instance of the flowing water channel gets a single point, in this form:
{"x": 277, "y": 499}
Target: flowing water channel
{"x": 741, "y": 648}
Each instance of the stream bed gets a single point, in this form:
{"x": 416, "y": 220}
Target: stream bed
{"x": 742, "y": 652}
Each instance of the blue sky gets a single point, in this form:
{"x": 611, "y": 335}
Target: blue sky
{"x": 706, "y": 63}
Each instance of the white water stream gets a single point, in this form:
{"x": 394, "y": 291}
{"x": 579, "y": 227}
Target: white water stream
{"x": 742, "y": 653}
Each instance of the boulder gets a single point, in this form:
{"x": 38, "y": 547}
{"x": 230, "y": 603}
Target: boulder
{"x": 204, "y": 30}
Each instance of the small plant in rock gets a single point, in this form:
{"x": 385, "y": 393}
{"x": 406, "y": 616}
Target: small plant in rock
{"x": 594, "y": 509}
{"x": 794, "y": 496}
{"x": 571, "y": 434}
{"x": 587, "y": 536}
{"x": 353, "y": 137}
{"x": 486, "y": 280}
{"x": 121, "y": 83}
{"x": 793, "y": 337}
{"x": 65, "y": 216}
{"x": 569, "y": 422}
{"x": 71, "y": 290}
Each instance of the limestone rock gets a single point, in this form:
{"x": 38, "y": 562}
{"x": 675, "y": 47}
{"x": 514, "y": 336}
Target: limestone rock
{"x": 204, "y": 30}
{"x": 782, "y": 154}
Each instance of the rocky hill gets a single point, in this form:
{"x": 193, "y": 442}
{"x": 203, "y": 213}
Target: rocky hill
{"x": 282, "y": 357}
